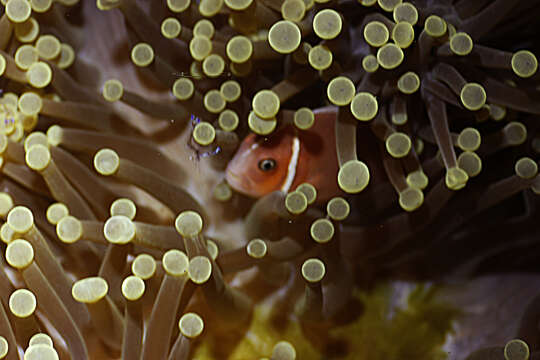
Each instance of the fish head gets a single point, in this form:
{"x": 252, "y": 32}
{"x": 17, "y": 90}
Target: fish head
{"x": 260, "y": 165}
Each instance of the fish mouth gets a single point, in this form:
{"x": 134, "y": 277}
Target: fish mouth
{"x": 239, "y": 183}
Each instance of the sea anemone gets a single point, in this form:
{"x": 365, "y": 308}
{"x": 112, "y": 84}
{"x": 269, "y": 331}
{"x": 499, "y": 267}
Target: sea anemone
{"x": 121, "y": 237}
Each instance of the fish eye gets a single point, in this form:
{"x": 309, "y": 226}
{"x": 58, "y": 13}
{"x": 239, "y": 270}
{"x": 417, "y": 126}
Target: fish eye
{"x": 267, "y": 164}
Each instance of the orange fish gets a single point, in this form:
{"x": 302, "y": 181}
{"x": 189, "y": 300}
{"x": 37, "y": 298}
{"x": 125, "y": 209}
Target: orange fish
{"x": 288, "y": 158}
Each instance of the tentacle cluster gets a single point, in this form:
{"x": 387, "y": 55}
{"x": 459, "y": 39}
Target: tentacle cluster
{"x": 108, "y": 252}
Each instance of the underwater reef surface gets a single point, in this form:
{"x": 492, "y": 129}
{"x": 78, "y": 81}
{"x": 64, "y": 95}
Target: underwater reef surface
{"x": 269, "y": 179}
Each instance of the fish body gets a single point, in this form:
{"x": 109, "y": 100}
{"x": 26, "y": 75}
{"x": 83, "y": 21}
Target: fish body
{"x": 287, "y": 158}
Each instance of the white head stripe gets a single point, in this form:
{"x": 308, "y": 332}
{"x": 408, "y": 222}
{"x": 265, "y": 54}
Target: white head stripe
{"x": 293, "y": 163}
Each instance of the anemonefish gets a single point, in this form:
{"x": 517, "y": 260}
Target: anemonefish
{"x": 287, "y": 158}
